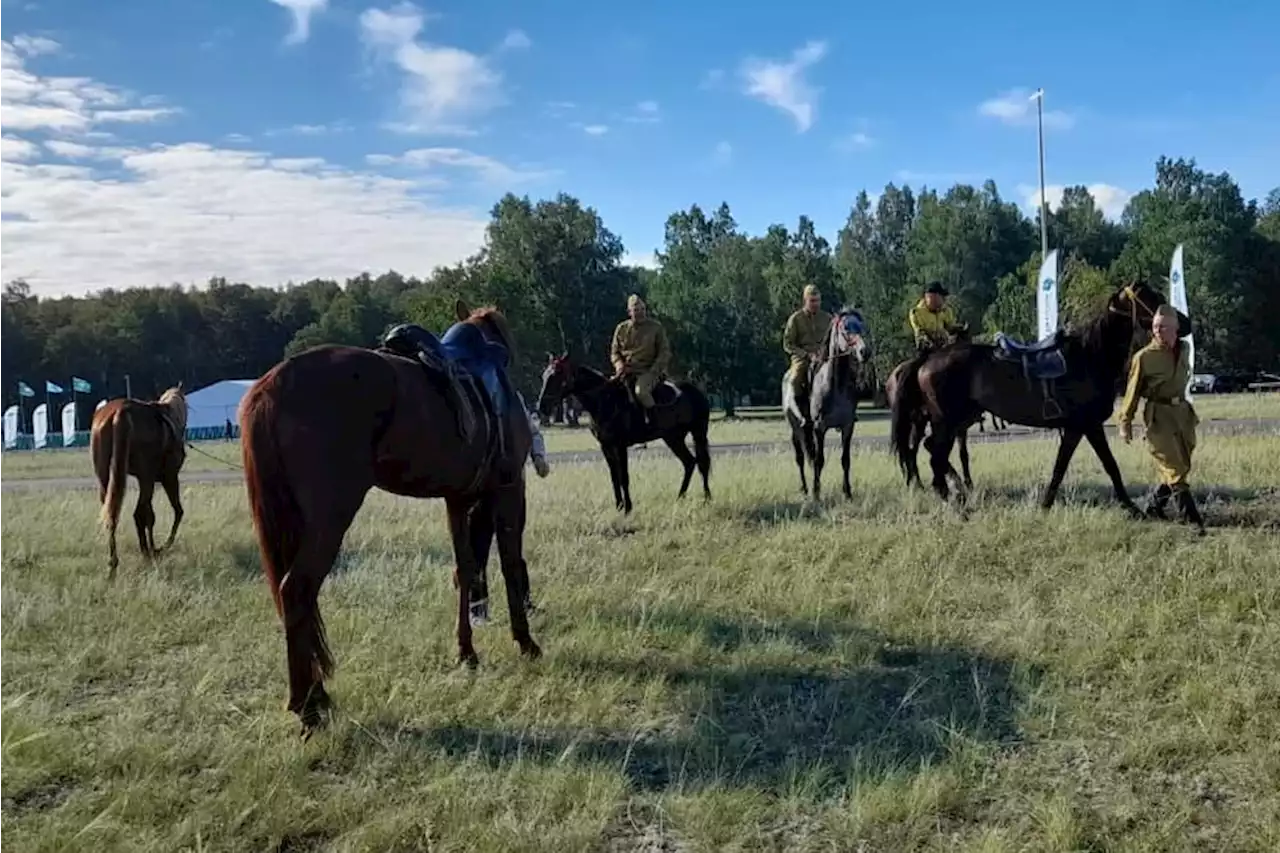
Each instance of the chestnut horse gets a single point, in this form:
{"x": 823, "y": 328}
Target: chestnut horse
{"x": 148, "y": 440}
{"x": 322, "y": 428}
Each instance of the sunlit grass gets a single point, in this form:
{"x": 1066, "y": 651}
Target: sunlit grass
{"x": 752, "y": 673}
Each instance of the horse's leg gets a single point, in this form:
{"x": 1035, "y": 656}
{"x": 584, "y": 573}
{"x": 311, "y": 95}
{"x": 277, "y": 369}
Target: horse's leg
{"x": 1098, "y": 441}
{"x": 510, "y": 504}
{"x": 624, "y": 477}
{"x": 1067, "y": 445}
{"x": 144, "y": 515}
{"x": 611, "y": 458}
{"x": 798, "y": 444}
{"x": 481, "y": 524}
{"x": 169, "y": 481}
{"x": 819, "y": 460}
{"x": 939, "y": 445}
{"x": 917, "y": 438}
{"x": 464, "y": 575}
{"x": 963, "y": 441}
{"x": 681, "y": 450}
{"x": 846, "y": 439}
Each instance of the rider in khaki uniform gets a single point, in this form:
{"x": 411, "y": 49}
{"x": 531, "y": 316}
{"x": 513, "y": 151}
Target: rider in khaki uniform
{"x": 1159, "y": 375}
{"x": 933, "y": 322}
{"x": 640, "y": 349}
{"x": 802, "y": 341}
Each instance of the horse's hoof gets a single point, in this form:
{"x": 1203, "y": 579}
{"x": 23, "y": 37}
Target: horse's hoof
{"x": 469, "y": 659}
{"x": 479, "y": 614}
{"x": 531, "y": 651}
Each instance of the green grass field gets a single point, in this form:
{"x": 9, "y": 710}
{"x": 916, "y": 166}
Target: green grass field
{"x": 754, "y": 425}
{"x": 750, "y": 674}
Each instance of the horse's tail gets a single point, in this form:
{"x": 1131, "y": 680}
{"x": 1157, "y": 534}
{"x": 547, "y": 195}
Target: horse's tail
{"x": 277, "y": 518}
{"x": 904, "y": 403}
{"x": 116, "y": 467}
{"x": 701, "y": 425}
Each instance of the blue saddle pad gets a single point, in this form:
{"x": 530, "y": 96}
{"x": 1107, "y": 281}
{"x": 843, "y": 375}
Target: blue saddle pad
{"x": 1042, "y": 359}
{"x": 465, "y": 345}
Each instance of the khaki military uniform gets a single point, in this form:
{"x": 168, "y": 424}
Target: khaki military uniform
{"x": 932, "y": 328}
{"x": 1160, "y": 377}
{"x": 642, "y": 347}
{"x": 802, "y": 338}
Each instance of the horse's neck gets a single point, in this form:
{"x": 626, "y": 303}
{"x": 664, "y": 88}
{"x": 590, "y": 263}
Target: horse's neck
{"x": 1110, "y": 343}
{"x": 590, "y": 388}
{"x": 841, "y": 369}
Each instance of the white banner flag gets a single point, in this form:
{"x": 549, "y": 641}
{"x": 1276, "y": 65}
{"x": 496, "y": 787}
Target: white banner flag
{"x": 1178, "y": 299}
{"x": 68, "y": 424}
{"x": 40, "y": 425}
{"x": 1047, "y": 296}
{"x": 10, "y": 427}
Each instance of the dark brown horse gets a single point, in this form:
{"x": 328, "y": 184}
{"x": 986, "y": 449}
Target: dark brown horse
{"x": 148, "y": 440}
{"x": 618, "y": 422}
{"x": 1069, "y": 384}
{"x": 320, "y": 429}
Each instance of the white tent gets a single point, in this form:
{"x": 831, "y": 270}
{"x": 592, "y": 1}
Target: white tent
{"x": 214, "y": 405}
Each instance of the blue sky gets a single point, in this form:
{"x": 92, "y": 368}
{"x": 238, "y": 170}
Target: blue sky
{"x": 153, "y": 141}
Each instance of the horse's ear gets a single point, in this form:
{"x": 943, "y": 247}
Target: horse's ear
{"x": 460, "y": 310}
{"x": 566, "y": 355}
{"x": 179, "y": 384}
{"x": 551, "y": 357}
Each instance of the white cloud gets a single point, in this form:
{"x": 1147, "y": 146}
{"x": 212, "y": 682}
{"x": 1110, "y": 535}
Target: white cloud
{"x": 516, "y": 40}
{"x": 1017, "y": 107}
{"x": 17, "y": 150}
{"x": 134, "y": 215}
{"x": 592, "y": 129}
{"x": 723, "y": 154}
{"x": 783, "y": 84}
{"x": 443, "y": 86}
{"x": 433, "y": 160}
{"x": 857, "y": 141}
{"x": 635, "y": 259}
{"x": 301, "y": 12}
{"x": 1109, "y": 199}
{"x": 645, "y": 112}
{"x": 35, "y": 45}
{"x": 312, "y": 129}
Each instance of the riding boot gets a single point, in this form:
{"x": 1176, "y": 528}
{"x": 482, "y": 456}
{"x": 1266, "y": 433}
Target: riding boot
{"x": 1190, "y": 512}
{"x": 1157, "y": 501}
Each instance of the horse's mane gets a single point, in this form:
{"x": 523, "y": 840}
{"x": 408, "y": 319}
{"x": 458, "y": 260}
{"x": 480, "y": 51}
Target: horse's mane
{"x": 491, "y": 315}
{"x": 175, "y": 403}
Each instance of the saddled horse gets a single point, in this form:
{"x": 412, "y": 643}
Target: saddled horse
{"x": 149, "y": 441}
{"x": 618, "y": 422}
{"x": 832, "y": 398}
{"x": 1067, "y": 382}
{"x": 322, "y": 428}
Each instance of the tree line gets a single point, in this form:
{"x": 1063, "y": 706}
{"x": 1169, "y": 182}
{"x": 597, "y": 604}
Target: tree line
{"x": 556, "y": 270}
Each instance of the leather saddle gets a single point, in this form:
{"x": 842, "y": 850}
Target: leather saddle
{"x": 1042, "y": 361}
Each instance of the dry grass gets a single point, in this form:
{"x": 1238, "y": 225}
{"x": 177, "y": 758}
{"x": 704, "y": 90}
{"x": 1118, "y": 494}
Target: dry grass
{"x": 754, "y": 673}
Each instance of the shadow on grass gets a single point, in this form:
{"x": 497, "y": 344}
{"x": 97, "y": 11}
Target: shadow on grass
{"x": 775, "y": 513}
{"x": 803, "y": 729}
{"x": 1222, "y": 506}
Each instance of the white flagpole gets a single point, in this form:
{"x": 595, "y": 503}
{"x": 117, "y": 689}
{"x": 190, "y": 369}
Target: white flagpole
{"x": 1038, "y": 97}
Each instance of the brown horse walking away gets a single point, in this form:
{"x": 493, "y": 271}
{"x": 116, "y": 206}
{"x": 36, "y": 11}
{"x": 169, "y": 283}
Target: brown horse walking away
{"x": 147, "y": 440}
{"x": 920, "y": 423}
{"x": 1069, "y": 383}
{"x": 320, "y": 429}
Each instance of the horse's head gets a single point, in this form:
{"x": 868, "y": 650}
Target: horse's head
{"x": 557, "y": 384}
{"x": 491, "y": 322}
{"x": 1139, "y": 301}
{"x": 850, "y": 335}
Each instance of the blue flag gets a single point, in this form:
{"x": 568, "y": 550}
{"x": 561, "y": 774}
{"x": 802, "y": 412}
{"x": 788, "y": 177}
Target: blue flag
{"x": 25, "y": 390}
{"x": 80, "y": 386}
{"x": 51, "y": 388}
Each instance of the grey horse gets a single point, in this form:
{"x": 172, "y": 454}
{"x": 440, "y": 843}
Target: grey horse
{"x": 833, "y": 398}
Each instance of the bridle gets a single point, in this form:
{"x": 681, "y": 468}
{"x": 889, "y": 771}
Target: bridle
{"x": 1134, "y": 301}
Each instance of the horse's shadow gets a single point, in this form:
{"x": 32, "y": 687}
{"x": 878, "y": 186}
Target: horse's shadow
{"x": 767, "y": 726}
{"x": 776, "y": 512}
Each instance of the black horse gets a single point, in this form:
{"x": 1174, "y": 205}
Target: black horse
{"x": 1068, "y": 382}
{"x": 618, "y": 422}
